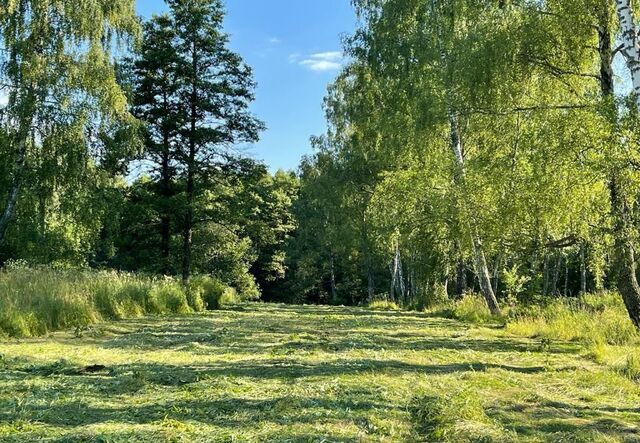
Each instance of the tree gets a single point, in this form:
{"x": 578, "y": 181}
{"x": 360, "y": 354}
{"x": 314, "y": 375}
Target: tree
{"x": 154, "y": 86}
{"x": 57, "y": 73}
{"x": 215, "y": 88}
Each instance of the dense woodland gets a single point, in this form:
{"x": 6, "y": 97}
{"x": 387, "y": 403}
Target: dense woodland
{"x": 473, "y": 146}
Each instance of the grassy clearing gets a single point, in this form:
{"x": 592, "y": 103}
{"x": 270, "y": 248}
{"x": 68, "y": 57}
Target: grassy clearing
{"x": 264, "y": 373}
{"x": 34, "y": 302}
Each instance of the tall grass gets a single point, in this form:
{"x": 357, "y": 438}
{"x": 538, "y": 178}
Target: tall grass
{"x": 594, "y": 319}
{"x": 34, "y": 302}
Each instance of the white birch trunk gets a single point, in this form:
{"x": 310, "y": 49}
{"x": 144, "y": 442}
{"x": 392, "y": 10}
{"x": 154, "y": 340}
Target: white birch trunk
{"x": 631, "y": 43}
{"x": 480, "y": 261}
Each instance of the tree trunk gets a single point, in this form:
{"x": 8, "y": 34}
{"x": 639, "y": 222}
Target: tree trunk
{"x": 496, "y": 274}
{"x": 583, "y": 270}
{"x": 630, "y": 40}
{"x": 556, "y": 275}
{"x": 394, "y": 276}
{"x": 546, "y": 276}
{"x": 367, "y": 258}
{"x": 624, "y": 256}
{"x": 24, "y": 129}
{"x": 334, "y": 290}
{"x": 566, "y": 277}
{"x": 480, "y": 260}
{"x": 191, "y": 166}
{"x": 14, "y": 190}
{"x": 188, "y": 224}
{"x": 461, "y": 278}
{"x": 165, "y": 216}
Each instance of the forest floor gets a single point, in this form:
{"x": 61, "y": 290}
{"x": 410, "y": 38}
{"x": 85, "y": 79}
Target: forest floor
{"x": 263, "y": 372}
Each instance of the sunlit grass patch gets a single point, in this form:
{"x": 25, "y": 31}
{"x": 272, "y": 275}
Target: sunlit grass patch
{"x": 34, "y": 302}
{"x": 384, "y": 305}
{"x": 307, "y": 374}
{"x": 594, "y": 319}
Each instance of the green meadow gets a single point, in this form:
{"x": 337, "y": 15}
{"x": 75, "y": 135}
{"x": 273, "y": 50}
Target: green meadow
{"x": 276, "y": 373}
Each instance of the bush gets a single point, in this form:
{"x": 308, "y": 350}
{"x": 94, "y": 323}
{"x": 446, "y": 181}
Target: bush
{"x": 213, "y": 292}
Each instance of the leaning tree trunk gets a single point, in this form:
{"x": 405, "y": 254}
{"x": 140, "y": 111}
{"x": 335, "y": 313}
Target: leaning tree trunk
{"x": 479, "y": 258}
{"x": 624, "y": 256}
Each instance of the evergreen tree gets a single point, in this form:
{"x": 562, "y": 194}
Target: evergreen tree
{"x": 215, "y": 88}
{"x": 154, "y": 86}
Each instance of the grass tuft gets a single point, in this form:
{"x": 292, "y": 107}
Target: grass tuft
{"x": 383, "y": 305}
{"x": 631, "y": 368}
{"x": 455, "y": 417}
{"x": 593, "y": 319}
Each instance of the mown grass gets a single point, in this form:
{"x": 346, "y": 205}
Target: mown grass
{"x": 270, "y": 373}
{"x": 36, "y": 301}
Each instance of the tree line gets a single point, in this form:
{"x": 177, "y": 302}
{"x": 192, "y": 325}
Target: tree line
{"x": 133, "y": 162}
{"x": 477, "y": 145}
{"x": 487, "y": 146}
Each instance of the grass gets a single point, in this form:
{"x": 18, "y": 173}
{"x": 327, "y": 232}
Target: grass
{"x": 271, "y": 373}
{"x": 383, "y": 305}
{"x": 34, "y": 302}
{"x": 595, "y": 319}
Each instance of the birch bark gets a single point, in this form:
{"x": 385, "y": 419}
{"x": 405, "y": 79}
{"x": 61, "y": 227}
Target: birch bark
{"x": 479, "y": 257}
{"x": 624, "y": 254}
{"x": 631, "y": 42}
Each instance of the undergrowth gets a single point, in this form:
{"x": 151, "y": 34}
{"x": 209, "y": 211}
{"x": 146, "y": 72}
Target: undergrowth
{"x": 36, "y": 301}
{"x": 594, "y": 319}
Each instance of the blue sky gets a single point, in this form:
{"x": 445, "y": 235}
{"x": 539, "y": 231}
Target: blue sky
{"x": 294, "y": 47}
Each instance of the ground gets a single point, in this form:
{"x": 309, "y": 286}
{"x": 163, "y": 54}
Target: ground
{"x": 307, "y": 374}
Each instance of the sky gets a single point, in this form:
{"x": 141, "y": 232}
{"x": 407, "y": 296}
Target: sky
{"x": 294, "y": 48}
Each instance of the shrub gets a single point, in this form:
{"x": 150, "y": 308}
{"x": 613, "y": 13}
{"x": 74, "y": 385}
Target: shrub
{"x": 214, "y": 293}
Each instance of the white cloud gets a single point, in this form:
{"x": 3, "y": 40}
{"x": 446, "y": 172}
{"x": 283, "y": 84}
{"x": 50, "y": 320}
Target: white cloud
{"x": 321, "y": 61}
{"x": 274, "y": 40}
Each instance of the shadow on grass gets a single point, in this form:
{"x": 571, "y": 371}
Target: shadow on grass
{"x": 275, "y": 338}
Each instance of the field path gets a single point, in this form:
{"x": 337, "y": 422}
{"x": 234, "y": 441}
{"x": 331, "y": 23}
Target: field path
{"x": 263, "y": 372}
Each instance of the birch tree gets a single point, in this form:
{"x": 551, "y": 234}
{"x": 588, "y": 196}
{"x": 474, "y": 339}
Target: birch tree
{"x": 630, "y": 42}
{"x": 56, "y": 70}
